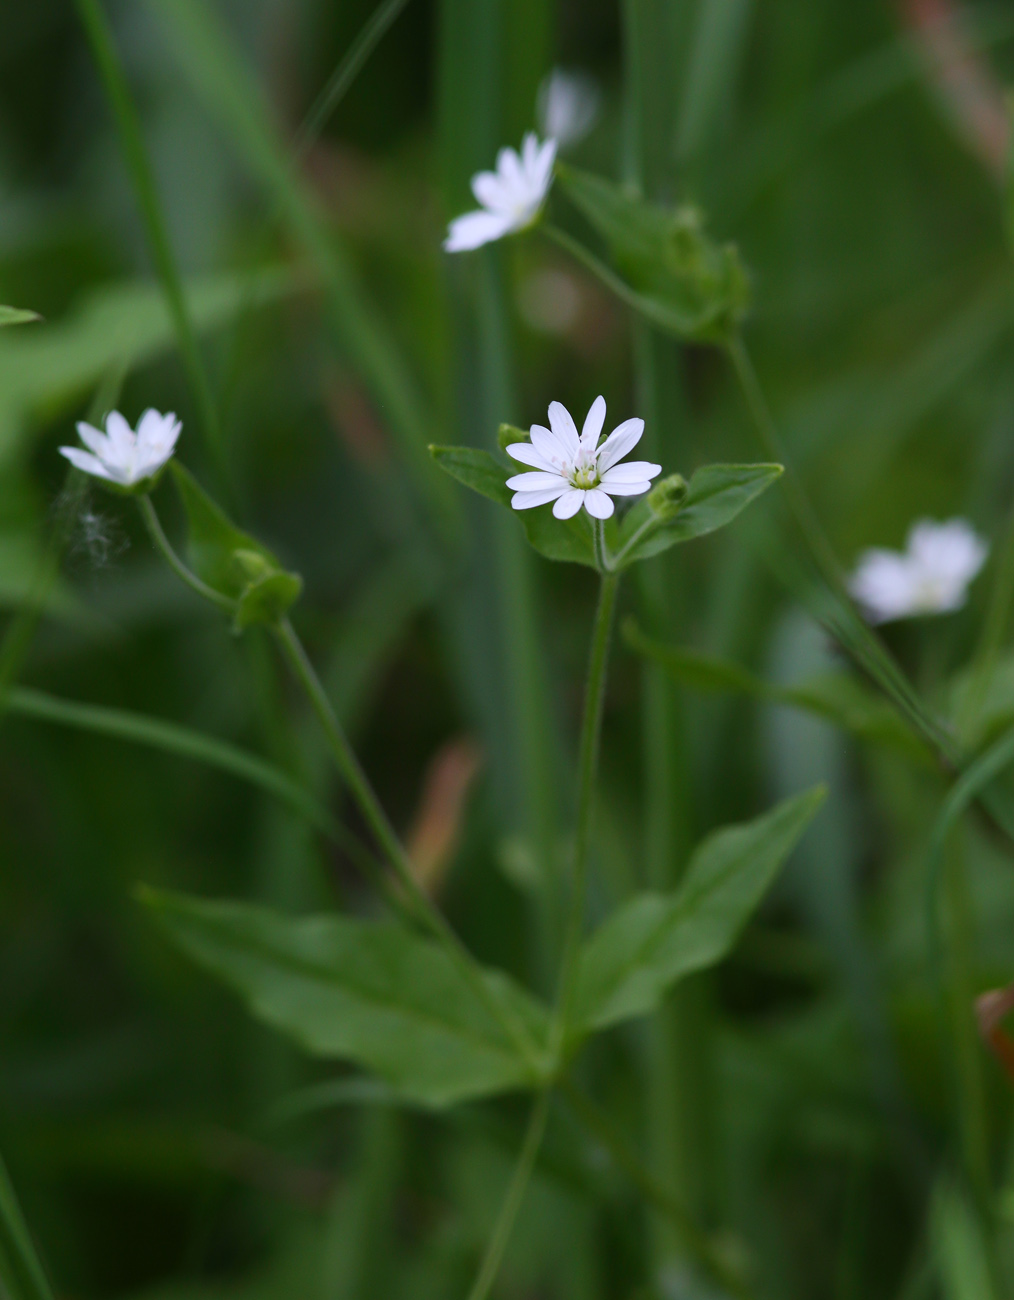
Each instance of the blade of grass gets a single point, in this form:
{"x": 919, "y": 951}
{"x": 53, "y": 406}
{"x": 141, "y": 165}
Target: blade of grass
{"x": 135, "y": 154}
{"x": 22, "y": 1276}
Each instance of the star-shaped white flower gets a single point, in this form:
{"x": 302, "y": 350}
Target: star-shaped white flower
{"x": 930, "y": 576}
{"x": 121, "y": 455}
{"x": 572, "y": 470}
{"x": 511, "y": 197}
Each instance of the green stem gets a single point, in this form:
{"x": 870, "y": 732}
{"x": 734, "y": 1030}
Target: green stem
{"x": 694, "y": 1241}
{"x": 512, "y": 1201}
{"x": 591, "y": 729}
{"x": 22, "y": 1276}
{"x": 391, "y": 847}
{"x": 162, "y": 543}
{"x": 128, "y": 124}
{"x": 994, "y": 629}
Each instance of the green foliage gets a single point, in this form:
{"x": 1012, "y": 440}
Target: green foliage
{"x": 697, "y": 287}
{"x": 17, "y": 316}
{"x": 364, "y": 991}
{"x": 21, "y": 1274}
{"x": 654, "y": 940}
{"x": 230, "y": 561}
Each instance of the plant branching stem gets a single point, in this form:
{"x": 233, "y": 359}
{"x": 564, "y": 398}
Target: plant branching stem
{"x": 694, "y": 1241}
{"x": 425, "y": 912}
{"x": 512, "y": 1201}
{"x": 591, "y": 729}
{"x": 163, "y": 545}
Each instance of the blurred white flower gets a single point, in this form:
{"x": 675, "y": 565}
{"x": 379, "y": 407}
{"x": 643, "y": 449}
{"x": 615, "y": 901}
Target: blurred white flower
{"x": 568, "y": 105}
{"x": 121, "y": 455}
{"x": 930, "y": 576}
{"x": 572, "y": 470}
{"x": 511, "y": 197}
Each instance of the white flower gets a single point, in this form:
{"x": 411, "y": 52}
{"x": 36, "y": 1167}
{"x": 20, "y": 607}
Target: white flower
{"x": 572, "y": 470}
{"x": 121, "y": 455}
{"x": 511, "y": 197}
{"x": 930, "y": 576}
{"x": 568, "y": 106}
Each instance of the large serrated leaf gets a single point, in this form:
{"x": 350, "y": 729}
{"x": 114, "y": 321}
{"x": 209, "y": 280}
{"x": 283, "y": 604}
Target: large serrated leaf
{"x": 557, "y": 539}
{"x": 370, "y": 992}
{"x": 656, "y": 939}
{"x": 716, "y": 495}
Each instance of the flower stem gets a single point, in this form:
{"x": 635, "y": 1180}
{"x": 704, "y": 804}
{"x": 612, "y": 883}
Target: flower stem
{"x": 591, "y": 729}
{"x": 376, "y": 818}
{"x": 162, "y": 543}
{"x": 512, "y": 1201}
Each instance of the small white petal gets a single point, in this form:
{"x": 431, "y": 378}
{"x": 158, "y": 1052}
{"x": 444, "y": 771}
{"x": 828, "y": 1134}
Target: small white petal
{"x": 529, "y": 500}
{"x": 120, "y": 435}
{"x": 548, "y": 445}
{"x": 535, "y": 481}
{"x": 475, "y": 229}
{"x": 569, "y": 504}
{"x": 623, "y": 438}
{"x": 593, "y": 423}
{"x": 493, "y": 193}
{"x": 625, "y": 489}
{"x": 562, "y": 423}
{"x": 544, "y": 166}
{"x": 598, "y": 504}
{"x": 631, "y": 471}
{"x": 93, "y": 439}
{"x": 508, "y": 164}
{"x": 530, "y": 154}
{"x": 86, "y": 461}
{"x": 527, "y": 455}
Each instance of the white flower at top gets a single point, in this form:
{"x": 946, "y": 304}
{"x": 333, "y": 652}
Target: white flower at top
{"x": 568, "y": 105}
{"x": 511, "y": 197}
{"x": 930, "y": 576}
{"x": 572, "y": 470}
{"x": 121, "y": 455}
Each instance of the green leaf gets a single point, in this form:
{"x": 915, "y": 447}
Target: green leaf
{"x": 557, "y": 539}
{"x": 717, "y": 494}
{"x": 371, "y": 992}
{"x": 17, "y": 316}
{"x": 691, "y": 285}
{"x": 232, "y": 562}
{"x": 21, "y": 1274}
{"x": 656, "y": 939}
{"x": 836, "y": 697}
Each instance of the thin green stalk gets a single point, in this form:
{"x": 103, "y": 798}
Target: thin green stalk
{"x": 22, "y": 1276}
{"x": 994, "y": 628}
{"x": 162, "y": 544}
{"x": 591, "y": 730}
{"x": 100, "y": 38}
{"x": 696, "y": 1244}
{"x": 377, "y": 820}
{"x": 512, "y": 1201}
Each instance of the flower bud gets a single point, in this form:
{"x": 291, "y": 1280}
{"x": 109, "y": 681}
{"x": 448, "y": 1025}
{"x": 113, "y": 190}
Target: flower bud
{"x": 666, "y": 498}
{"x": 508, "y": 433}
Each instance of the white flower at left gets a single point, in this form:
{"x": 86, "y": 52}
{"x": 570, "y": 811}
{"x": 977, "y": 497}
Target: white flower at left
{"x": 511, "y": 197}
{"x": 121, "y": 455}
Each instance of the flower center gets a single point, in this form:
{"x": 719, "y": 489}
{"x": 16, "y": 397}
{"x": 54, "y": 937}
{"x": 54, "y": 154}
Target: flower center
{"x": 585, "y": 473}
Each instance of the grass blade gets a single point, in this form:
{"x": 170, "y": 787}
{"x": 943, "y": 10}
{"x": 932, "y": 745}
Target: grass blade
{"x": 21, "y": 1274}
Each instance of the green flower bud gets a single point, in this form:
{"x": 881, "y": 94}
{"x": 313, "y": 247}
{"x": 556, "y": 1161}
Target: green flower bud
{"x": 508, "y": 433}
{"x": 667, "y": 496}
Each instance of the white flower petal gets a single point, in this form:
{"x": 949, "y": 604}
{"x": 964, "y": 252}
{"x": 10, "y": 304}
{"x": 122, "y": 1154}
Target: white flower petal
{"x": 543, "y": 171}
{"x": 548, "y": 445}
{"x": 529, "y": 500}
{"x": 93, "y": 439}
{"x": 86, "y": 461}
{"x": 569, "y": 504}
{"x": 508, "y": 164}
{"x": 631, "y": 471}
{"x": 474, "y": 229}
{"x": 562, "y": 423}
{"x": 121, "y": 437}
{"x": 623, "y": 438}
{"x": 493, "y": 193}
{"x": 625, "y": 489}
{"x": 536, "y": 482}
{"x": 598, "y": 504}
{"x": 530, "y": 155}
{"x": 527, "y": 455}
{"x": 593, "y": 423}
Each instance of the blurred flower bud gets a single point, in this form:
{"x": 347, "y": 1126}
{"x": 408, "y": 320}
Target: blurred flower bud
{"x": 666, "y": 498}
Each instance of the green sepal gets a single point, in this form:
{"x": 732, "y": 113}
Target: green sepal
{"x": 714, "y": 497}
{"x": 17, "y": 316}
{"x": 690, "y": 284}
{"x": 569, "y": 540}
{"x": 232, "y": 562}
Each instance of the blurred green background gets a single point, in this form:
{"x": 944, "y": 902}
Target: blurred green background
{"x": 797, "y": 1099}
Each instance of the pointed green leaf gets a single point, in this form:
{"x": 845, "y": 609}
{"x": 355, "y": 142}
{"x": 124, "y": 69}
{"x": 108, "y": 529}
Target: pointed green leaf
{"x": 17, "y": 316}
{"x": 689, "y": 284}
{"x": 231, "y": 561}
{"x": 364, "y": 991}
{"x": 21, "y": 1274}
{"x": 557, "y": 539}
{"x": 656, "y": 939}
{"x": 717, "y": 494}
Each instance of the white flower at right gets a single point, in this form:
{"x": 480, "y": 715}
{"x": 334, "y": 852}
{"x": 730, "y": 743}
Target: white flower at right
{"x": 930, "y": 576}
{"x": 572, "y": 470}
{"x": 511, "y": 197}
{"x": 121, "y": 455}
